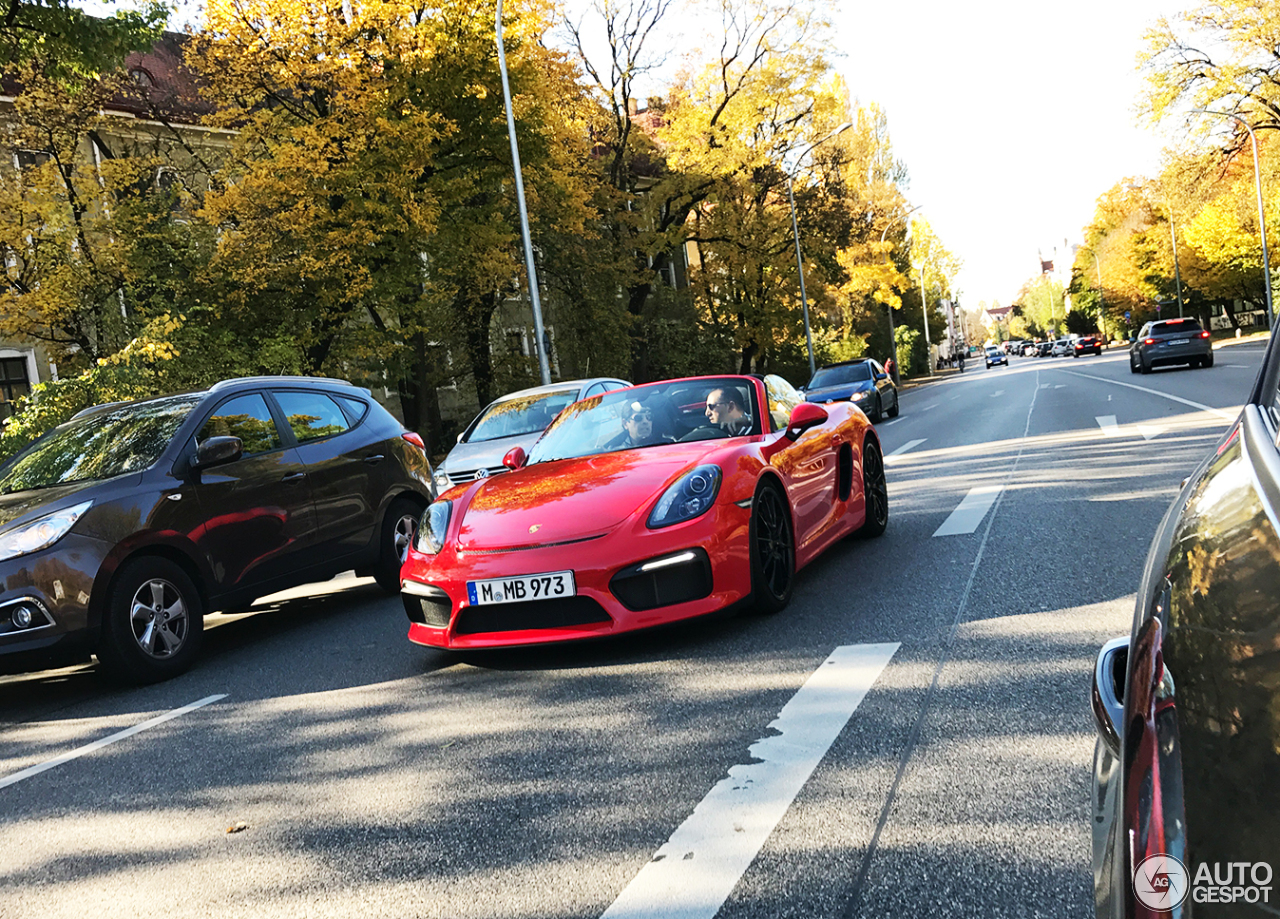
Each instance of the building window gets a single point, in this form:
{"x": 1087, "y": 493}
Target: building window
{"x": 141, "y": 77}
{"x": 28, "y": 159}
{"x": 14, "y": 383}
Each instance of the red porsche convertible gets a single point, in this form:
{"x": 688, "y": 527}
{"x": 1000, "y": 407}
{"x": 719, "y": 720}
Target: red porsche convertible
{"x": 641, "y": 507}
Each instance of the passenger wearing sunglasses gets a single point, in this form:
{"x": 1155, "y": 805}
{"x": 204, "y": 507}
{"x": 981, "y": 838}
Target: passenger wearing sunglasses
{"x": 724, "y": 412}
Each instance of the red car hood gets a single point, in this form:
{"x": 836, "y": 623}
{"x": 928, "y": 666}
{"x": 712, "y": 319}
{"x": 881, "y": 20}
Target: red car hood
{"x": 567, "y": 500}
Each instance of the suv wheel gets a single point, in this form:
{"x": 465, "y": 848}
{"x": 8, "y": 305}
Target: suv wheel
{"x": 399, "y": 528}
{"x": 153, "y": 622}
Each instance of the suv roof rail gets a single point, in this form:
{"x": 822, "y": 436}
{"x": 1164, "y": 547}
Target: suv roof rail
{"x": 224, "y": 384}
{"x": 93, "y": 409}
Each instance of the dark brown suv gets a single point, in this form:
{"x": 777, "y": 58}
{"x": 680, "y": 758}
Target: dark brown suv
{"x": 120, "y": 529}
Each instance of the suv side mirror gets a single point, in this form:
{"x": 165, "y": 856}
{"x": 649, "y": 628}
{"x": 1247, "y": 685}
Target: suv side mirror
{"x": 882, "y": 376}
{"x": 515, "y": 458}
{"x": 804, "y": 416}
{"x": 1132, "y": 337}
{"x": 216, "y": 451}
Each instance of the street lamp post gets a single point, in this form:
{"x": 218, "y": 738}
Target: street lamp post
{"x": 893, "y": 342}
{"x": 924, "y": 311}
{"x": 1177, "y": 274}
{"x": 1101, "y": 304}
{"x": 1262, "y": 216}
{"x": 795, "y": 232}
{"x": 544, "y": 365}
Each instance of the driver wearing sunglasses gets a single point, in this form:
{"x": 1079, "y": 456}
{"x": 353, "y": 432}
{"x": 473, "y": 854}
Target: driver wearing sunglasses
{"x": 637, "y": 428}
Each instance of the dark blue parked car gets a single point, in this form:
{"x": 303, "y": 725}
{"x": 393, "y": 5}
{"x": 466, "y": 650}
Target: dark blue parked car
{"x": 863, "y": 382}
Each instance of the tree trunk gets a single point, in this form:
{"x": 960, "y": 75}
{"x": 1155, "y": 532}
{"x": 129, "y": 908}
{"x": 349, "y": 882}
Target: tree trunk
{"x": 419, "y": 398}
{"x": 637, "y": 298}
{"x": 476, "y": 312}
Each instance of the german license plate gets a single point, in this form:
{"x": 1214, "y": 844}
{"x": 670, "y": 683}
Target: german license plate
{"x": 548, "y": 586}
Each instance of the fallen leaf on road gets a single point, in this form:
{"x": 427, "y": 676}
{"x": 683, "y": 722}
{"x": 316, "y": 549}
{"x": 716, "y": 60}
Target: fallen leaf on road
{"x": 237, "y": 828}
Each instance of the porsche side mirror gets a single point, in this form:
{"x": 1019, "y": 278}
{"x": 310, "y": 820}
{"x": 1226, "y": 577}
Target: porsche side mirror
{"x": 804, "y": 416}
{"x": 215, "y": 451}
{"x": 515, "y": 458}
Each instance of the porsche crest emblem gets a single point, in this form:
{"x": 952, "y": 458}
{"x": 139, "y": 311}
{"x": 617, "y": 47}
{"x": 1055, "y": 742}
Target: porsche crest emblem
{"x": 535, "y": 528}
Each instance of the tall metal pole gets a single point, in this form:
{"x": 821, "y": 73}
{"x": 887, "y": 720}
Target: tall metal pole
{"x": 924, "y": 311}
{"x": 893, "y": 341}
{"x": 1177, "y": 275}
{"x": 1101, "y": 304}
{"x": 804, "y": 299}
{"x": 544, "y": 365}
{"x": 1262, "y": 216}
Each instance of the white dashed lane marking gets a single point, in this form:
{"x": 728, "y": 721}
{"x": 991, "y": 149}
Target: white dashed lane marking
{"x": 965, "y": 518}
{"x": 694, "y": 872}
{"x": 908, "y": 446}
{"x": 99, "y": 744}
{"x": 1108, "y": 425}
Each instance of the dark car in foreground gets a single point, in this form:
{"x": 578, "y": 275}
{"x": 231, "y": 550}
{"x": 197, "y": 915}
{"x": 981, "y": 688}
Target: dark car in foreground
{"x": 1187, "y": 705}
{"x": 1086, "y": 344}
{"x": 863, "y": 382}
{"x": 121, "y": 528}
{"x": 1170, "y": 341}
{"x": 515, "y": 420}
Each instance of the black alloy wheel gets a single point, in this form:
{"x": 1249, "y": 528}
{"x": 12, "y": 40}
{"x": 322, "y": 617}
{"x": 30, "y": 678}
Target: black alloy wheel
{"x": 893, "y": 412}
{"x": 1133, "y": 368}
{"x": 399, "y": 529}
{"x": 875, "y": 491}
{"x": 1208, "y": 360}
{"x": 153, "y": 622}
{"x": 879, "y": 413}
{"x": 773, "y": 554}
{"x": 1144, "y": 366}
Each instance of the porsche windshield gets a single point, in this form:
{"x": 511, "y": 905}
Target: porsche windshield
{"x": 108, "y": 443}
{"x": 650, "y": 416}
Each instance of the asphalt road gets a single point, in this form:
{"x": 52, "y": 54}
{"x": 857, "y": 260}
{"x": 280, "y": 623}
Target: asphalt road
{"x": 365, "y": 776}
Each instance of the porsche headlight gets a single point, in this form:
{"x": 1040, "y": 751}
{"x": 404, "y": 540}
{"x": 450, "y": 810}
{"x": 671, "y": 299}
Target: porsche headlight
{"x": 40, "y": 534}
{"x": 433, "y": 527}
{"x": 690, "y": 496}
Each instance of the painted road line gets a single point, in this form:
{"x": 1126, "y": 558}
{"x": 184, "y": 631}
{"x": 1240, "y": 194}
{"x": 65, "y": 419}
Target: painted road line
{"x": 1108, "y": 425}
{"x": 1228, "y": 415}
{"x": 1060, "y": 386}
{"x": 909, "y": 445}
{"x": 1149, "y": 431}
{"x": 929, "y": 408}
{"x": 99, "y": 744}
{"x": 965, "y": 518}
{"x": 998, "y": 392}
{"x": 694, "y": 872}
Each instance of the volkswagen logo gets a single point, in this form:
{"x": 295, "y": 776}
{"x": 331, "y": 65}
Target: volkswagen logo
{"x": 482, "y": 473}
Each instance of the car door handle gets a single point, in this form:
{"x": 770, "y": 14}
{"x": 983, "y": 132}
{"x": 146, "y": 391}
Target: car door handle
{"x": 294, "y": 477}
{"x": 374, "y": 459}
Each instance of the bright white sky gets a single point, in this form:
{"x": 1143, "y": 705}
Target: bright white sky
{"x": 1012, "y": 118}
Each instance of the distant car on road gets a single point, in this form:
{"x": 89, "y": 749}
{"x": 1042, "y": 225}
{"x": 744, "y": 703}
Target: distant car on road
{"x": 863, "y": 382}
{"x": 1170, "y": 341}
{"x": 1061, "y": 348}
{"x": 1186, "y": 703}
{"x": 1086, "y": 344}
{"x": 1044, "y": 349}
{"x": 1030, "y": 349}
{"x": 516, "y": 419}
{"x": 121, "y": 528}
{"x": 996, "y": 356}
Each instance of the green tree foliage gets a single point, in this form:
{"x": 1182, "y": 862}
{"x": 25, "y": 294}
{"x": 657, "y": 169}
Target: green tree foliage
{"x": 69, "y": 46}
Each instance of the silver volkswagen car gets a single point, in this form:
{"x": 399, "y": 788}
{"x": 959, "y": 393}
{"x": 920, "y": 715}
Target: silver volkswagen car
{"x": 517, "y": 419}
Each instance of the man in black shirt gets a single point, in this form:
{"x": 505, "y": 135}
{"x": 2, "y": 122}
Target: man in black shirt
{"x": 724, "y": 412}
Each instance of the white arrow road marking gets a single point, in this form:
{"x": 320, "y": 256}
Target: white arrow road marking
{"x": 966, "y": 517}
{"x": 998, "y": 392}
{"x": 1149, "y": 431}
{"x": 1046, "y": 385}
{"x": 694, "y": 872}
{"x": 1061, "y": 386}
{"x": 909, "y": 445}
{"x": 99, "y": 744}
{"x": 1108, "y": 425}
{"x": 1227, "y": 415}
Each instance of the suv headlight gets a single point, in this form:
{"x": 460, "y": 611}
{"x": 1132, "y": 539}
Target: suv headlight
{"x": 433, "y": 527}
{"x": 442, "y": 481}
{"x": 689, "y": 496}
{"x": 860, "y": 396}
{"x": 41, "y": 533}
